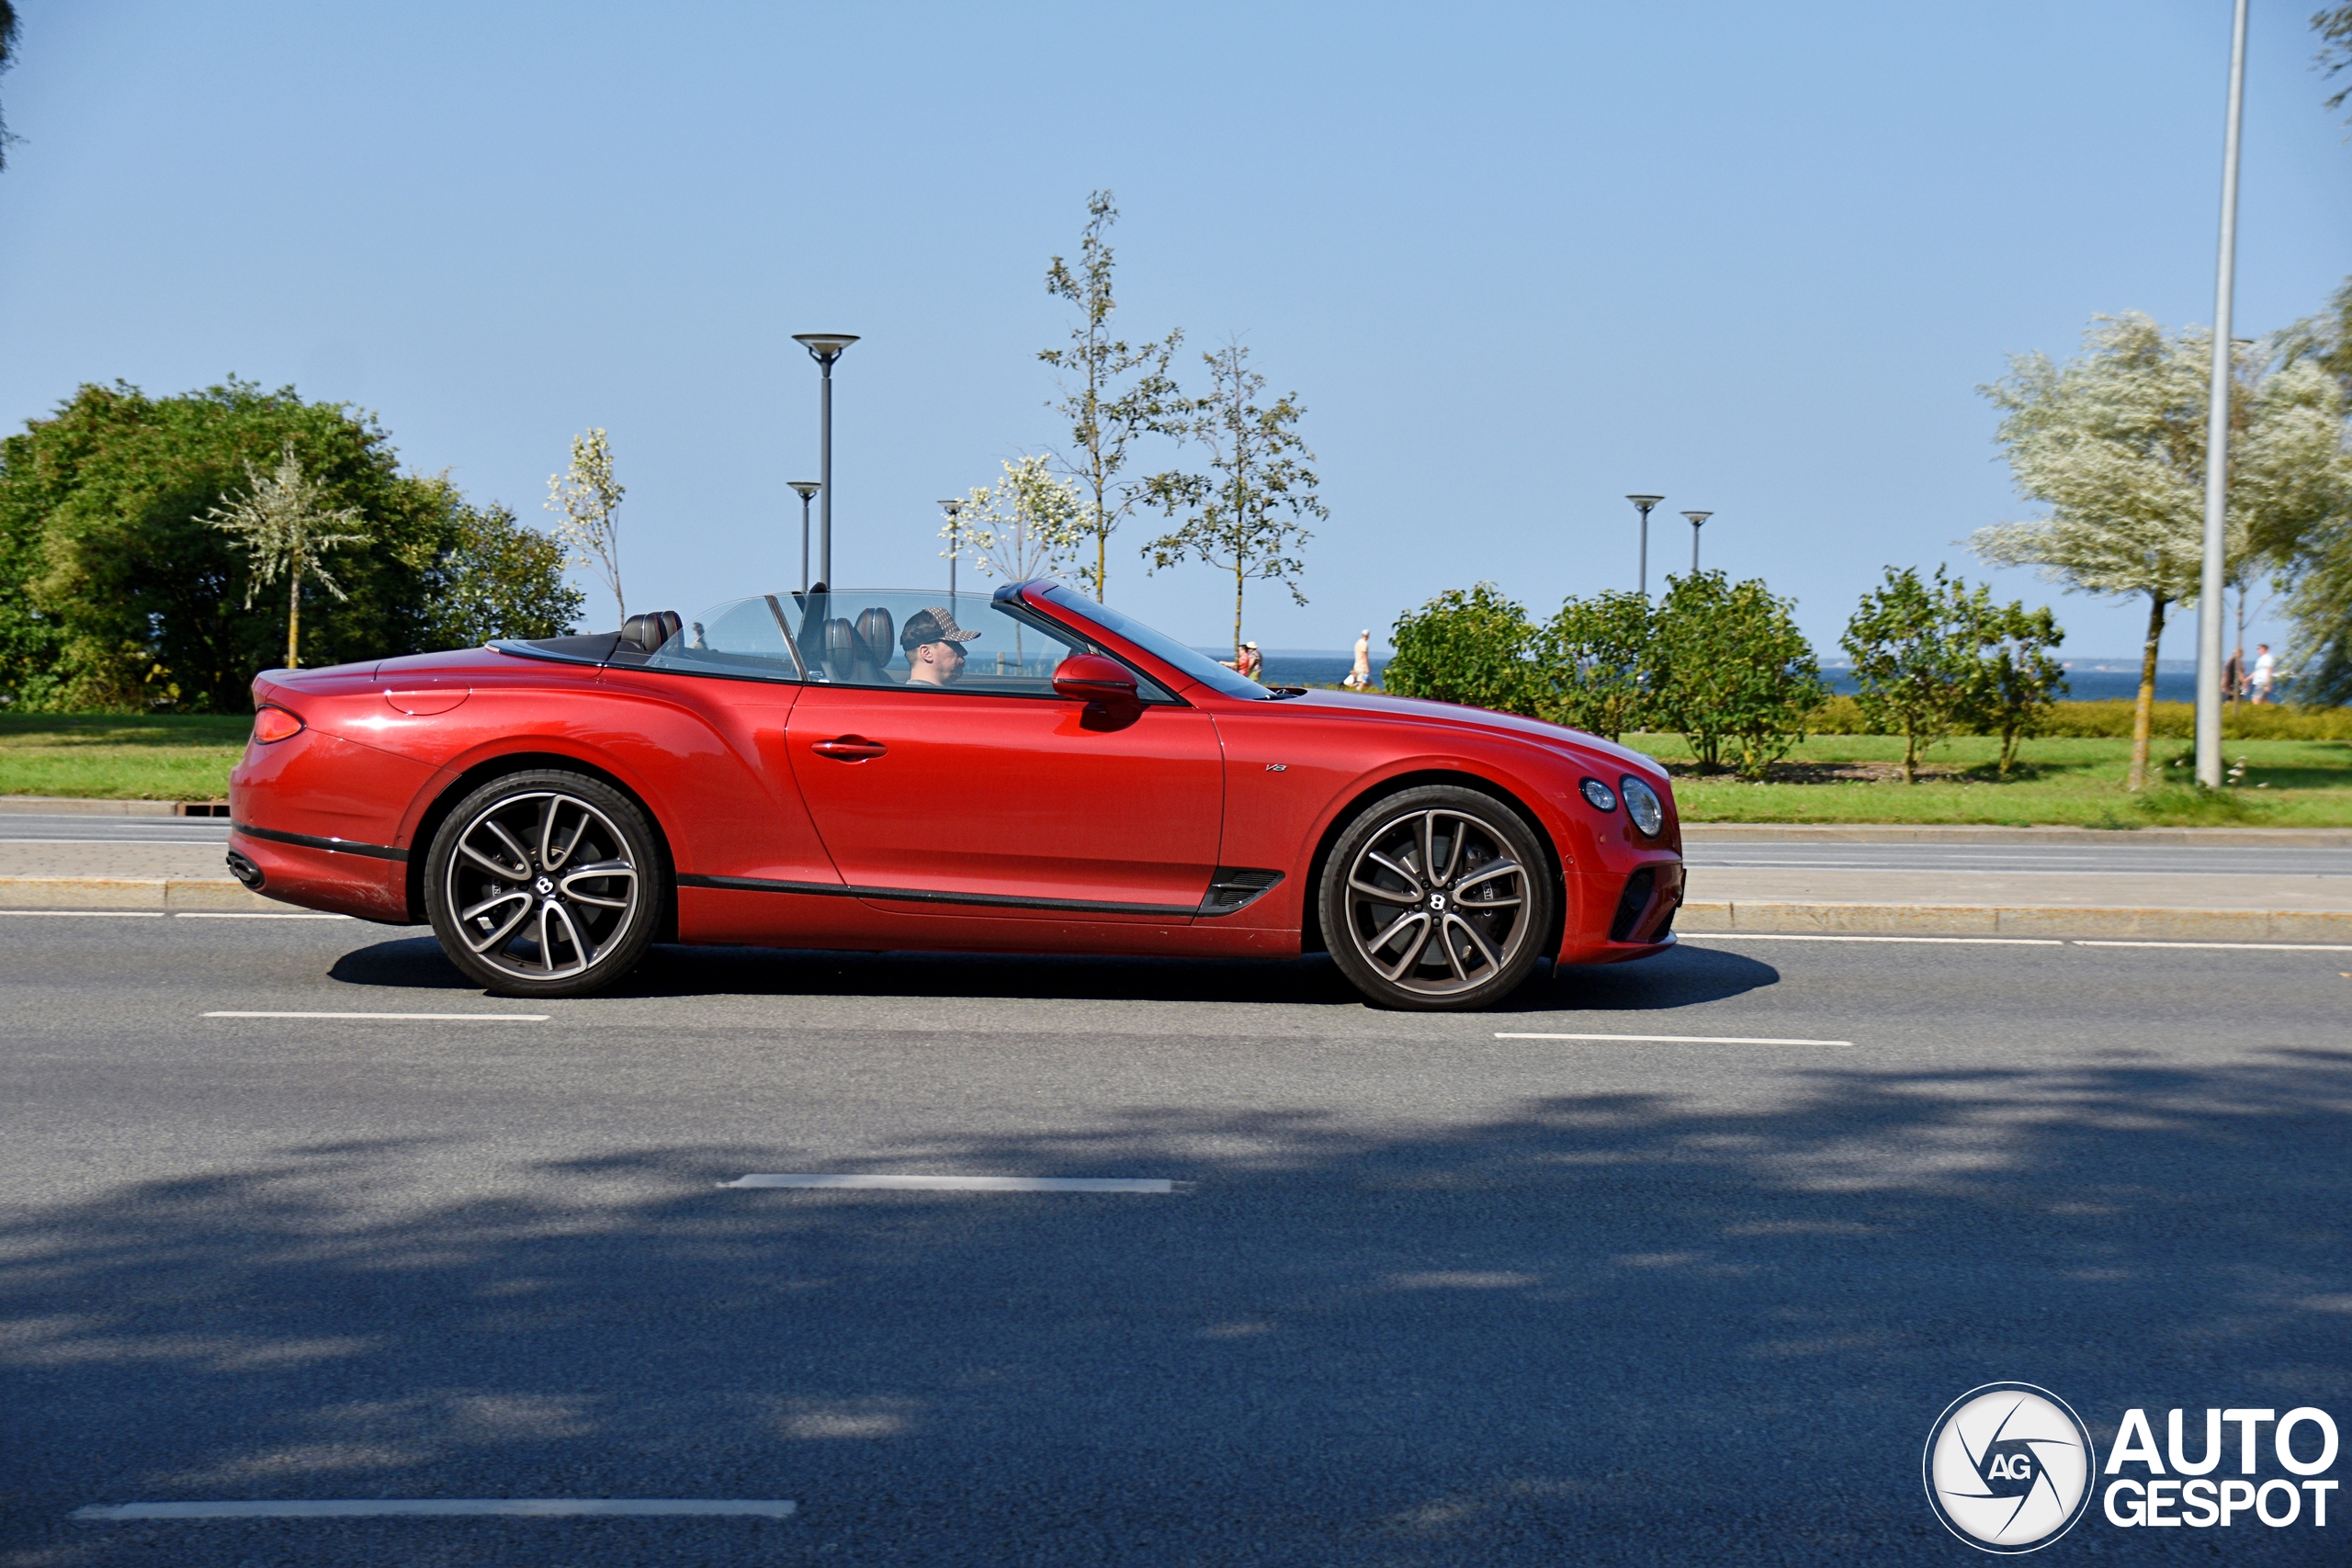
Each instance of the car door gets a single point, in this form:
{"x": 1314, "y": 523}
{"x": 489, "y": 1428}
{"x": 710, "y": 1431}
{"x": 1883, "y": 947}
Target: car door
{"x": 993, "y": 793}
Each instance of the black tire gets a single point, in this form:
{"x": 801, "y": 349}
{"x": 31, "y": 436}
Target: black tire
{"x": 544, "y": 884}
{"x": 1491, "y": 900}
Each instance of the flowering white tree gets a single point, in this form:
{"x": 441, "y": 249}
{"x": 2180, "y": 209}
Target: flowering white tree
{"x": 2114, "y": 442}
{"x": 287, "y": 527}
{"x": 1024, "y": 526}
{"x": 586, "y": 502}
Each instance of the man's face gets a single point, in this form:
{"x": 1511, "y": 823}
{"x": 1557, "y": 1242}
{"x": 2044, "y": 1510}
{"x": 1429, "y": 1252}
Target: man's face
{"x": 939, "y": 663}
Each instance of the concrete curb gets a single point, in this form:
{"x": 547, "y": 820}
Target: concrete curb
{"x": 1698, "y": 919}
{"x": 172, "y": 894}
{"x": 1972, "y": 833}
{"x": 76, "y": 806}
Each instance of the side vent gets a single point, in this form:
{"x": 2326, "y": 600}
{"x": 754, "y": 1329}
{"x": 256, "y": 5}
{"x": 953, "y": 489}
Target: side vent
{"x": 1633, "y": 903}
{"x": 1234, "y": 887}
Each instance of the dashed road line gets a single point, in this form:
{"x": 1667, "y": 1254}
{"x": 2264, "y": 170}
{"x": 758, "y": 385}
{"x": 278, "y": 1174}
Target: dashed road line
{"x": 250, "y": 915}
{"x": 2242, "y": 946}
{"x": 376, "y": 1507}
{"x": 965, "y": 1183}
{"x": 1683, "y": 1039}
{"x": 403, "y": 1017}
{"x": 1811, "y": 936}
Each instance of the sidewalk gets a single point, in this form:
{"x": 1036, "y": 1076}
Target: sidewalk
{"x": 2122, "y": 905}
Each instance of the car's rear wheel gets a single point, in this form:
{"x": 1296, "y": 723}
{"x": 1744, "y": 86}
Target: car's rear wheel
{"x": 1436, "y": 898}
{"x": 543, "y": 884}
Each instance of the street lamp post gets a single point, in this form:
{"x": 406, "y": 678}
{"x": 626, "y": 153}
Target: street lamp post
{"x": 824, "y": 348}
{"x": 1646, "y": 503}
{"x": 955, "y": 547}
{"x": 807, "y": 488}
{"x": 2217, "y": 439}
{"x": 1696, "y": 518}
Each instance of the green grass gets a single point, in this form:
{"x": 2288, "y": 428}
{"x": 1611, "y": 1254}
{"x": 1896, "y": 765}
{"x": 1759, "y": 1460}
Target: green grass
{"x": 2069, "y": 781}
{"x": 120, "y": 757}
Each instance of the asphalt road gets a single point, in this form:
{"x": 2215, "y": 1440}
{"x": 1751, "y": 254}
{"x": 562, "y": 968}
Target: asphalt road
{"x": 1420, "y": 1296}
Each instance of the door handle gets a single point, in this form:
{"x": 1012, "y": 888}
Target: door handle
{"x": 849, "y": 749}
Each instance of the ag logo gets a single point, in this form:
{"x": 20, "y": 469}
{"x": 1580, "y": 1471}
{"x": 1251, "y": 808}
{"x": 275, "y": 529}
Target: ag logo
{"x": 2008, "y": 1467}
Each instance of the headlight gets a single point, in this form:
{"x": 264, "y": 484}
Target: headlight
{"x": 1597, "y": 793}
{"x": 1643, "y": 806}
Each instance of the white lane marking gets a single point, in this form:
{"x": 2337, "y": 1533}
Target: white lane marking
{"x": 242, "y": 915}
{"x": 1806, "y": 936}
{"x": 967, "y": 1183}
{"x": 367, "y": 1507}
{"x": 2253, "y": 946}
{"x": 435, "y": 1016}
{"x": 1685, "y": 1039}
{"x": 86, "y": 914}
{"x": 2002, "y": 871}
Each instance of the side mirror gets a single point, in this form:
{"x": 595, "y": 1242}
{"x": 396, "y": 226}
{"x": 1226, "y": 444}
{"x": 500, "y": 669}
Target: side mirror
{"x": 1100, "y": 684}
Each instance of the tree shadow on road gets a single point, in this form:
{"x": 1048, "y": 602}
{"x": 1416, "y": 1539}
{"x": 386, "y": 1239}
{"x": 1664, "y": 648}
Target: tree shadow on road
{"x": 1604, "y": 1328}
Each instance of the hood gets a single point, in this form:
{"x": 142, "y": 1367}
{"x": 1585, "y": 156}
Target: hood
{"x": 1460, "y": 716}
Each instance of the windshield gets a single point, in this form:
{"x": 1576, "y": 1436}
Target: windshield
{"x": 1160, "y": 646}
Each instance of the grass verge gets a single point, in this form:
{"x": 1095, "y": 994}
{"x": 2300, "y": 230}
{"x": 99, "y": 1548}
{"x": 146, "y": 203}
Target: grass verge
{"x": 120, "y": 757}
{"x": 2058, "y": 781}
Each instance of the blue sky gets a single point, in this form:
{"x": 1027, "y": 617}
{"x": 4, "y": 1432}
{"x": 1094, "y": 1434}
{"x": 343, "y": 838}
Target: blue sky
{"x": 1517, "y": 261}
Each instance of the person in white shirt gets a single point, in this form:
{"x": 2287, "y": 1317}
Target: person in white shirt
{"x": 1360, "y": 676}
{"x": 2266, "y": 670}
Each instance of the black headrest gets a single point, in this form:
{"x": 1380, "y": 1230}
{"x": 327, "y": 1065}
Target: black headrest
{"x": 649, "y": 631}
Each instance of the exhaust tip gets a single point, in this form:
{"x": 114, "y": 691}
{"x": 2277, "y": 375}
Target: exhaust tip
{"x": 244, "y": 871}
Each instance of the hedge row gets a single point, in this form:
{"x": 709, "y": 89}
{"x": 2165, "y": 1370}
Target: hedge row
{"x": 2270, "y": 721}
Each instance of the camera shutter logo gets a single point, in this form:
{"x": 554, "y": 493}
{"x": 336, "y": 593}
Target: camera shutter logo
{"x": 2009, "y": 1468}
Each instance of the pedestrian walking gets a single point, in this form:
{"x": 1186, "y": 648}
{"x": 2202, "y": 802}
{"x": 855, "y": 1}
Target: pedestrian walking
{"x": 1252, "y": 664}
{"x": 1360, "y": 676}
{"x": 2234, "y": 676}
{"x": 2265, "y": 671}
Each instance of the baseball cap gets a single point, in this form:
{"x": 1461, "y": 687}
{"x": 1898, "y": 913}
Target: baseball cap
{"x": 933, "y": 625}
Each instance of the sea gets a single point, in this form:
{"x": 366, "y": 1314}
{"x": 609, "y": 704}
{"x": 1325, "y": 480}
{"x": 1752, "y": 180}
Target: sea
{"x": 2087, "y": 680}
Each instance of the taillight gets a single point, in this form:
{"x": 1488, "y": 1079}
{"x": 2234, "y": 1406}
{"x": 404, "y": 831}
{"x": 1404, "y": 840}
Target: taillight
{"x": 275, "y": 724}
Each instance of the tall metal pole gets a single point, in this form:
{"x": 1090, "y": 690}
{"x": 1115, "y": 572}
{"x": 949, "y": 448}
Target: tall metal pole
{"x": 825, "y": 476}
{"x": 2217, "y": 440}
{"x": 807, "y": 488}
{"x": 824, "y": 348}
{"x": 955, "y": 509}
{"x": 1696, "y": 518}
{"x": 1646, "y": 503}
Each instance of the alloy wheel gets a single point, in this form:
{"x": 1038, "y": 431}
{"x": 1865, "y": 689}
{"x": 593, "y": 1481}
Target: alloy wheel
{"x": 1437, "y": 902}
{"x": 542, "y": 885}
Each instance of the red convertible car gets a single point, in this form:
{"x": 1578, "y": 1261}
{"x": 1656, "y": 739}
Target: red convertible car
{"x": 1028, "y": 772}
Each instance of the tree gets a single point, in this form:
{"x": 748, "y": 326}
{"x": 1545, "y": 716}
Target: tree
{"x": 285, "y": 526}
{"x": 1247, "y": 514}
{"x": 1915, "y": 649}
{"x": 1469, "y": 647}
{"x": 1730, "y": 669}
{"x": 116, "y": 592}
{"x": 587, "y": 501}
{"x": 2335, "y": 29}
{"x": 1592, "y": 663}
{"x": 1111, "y": 391}
{"x": 2016, "y": 677}
{"x": 488, "y": 576}
{"x": 7, "y": 58}
{"x": 2114, "y": 443}
{"x": 1021, "y": 526}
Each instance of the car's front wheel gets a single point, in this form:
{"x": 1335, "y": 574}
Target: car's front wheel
{"x": 543, "y": 884}
{"x": 1436, "y": 898}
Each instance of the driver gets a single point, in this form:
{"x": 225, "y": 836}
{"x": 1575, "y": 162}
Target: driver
{"x": 935, "y": 646}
